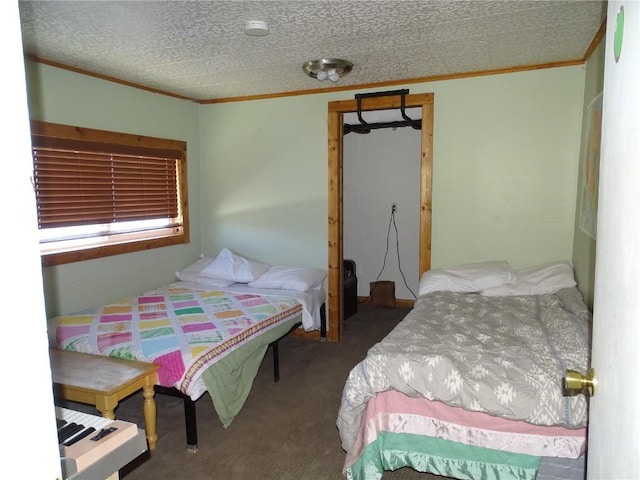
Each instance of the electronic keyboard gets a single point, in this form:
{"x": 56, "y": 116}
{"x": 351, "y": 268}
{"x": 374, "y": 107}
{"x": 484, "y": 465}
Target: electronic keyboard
{"x": 96, "y": 447}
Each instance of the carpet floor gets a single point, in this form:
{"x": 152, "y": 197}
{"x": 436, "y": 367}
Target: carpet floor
{"x": 285, "y": 431}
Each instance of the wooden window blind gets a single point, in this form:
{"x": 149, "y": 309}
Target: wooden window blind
{"x": 82, "y": 183}
{"x": 101, "y": 193}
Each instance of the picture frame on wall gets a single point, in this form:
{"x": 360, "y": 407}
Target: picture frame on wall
{"x": 588, "y": 221}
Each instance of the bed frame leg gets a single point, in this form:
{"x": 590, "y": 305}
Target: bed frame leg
{"x": 189, "y": 415}
{"x": 190, "y": 405}
{"x": 323, "y": 323}
{"x": 276, "y": 361}
{"x": 190, "y": 421}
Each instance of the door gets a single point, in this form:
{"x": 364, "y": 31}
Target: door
{"x": 32, "y": 451}
{"x": 381, "y": 168}
{"x": 614, "y": 417}
{"x": 334, "y": 128}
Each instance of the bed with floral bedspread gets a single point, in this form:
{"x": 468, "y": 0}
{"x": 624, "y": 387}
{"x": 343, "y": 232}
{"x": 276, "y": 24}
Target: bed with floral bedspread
{"x": 470, "y": 386}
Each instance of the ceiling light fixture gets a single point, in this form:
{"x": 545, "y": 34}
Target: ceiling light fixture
{"x": 331, "y": 68}
{"x": 256, "y": 28}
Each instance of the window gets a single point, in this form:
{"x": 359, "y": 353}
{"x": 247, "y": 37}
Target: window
{"x": 102, "y": 193}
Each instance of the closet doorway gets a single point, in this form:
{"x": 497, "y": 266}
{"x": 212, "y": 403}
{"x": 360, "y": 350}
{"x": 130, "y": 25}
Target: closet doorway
{"x": 336, "y": 110}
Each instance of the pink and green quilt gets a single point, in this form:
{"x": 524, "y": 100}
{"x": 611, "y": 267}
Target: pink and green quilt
{"x": 182, "y": 330}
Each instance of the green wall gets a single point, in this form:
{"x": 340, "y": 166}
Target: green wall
{"x": 264, "y": 179}
{"x": 506, "y": 153}
{"x": 584, "y": 247}
{"x": 60, "y": 96}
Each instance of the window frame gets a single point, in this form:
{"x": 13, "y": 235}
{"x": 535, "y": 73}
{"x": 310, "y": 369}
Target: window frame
{"x": 75, "y": 133}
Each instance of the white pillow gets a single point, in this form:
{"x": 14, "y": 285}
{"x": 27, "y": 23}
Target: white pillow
{"x": 229, "y": 266}
{"x": 193, "y": 274}
{"x": 290, "y": 278}
{"x": 538, "y": 280}
{"x": 470, "y": 277}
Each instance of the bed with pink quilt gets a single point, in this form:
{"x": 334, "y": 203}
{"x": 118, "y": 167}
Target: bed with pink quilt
{"x": 207, "y": 335}
{"x": 469, "y": 384}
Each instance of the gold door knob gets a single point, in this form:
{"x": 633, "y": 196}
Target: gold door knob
{"x": 576, "y": 381}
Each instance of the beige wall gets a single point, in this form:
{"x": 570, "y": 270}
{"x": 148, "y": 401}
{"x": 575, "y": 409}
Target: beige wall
{"x": 584, "y": 247}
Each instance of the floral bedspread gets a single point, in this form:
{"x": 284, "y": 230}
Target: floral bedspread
{"x": 505, "y": 356}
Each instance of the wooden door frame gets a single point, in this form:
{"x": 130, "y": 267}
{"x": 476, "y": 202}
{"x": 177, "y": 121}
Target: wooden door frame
{"x": 336, "y": 110}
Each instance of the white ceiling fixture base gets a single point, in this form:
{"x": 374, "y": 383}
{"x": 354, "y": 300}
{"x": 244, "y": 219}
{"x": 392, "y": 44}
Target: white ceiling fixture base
{"x": 256, "y": 28}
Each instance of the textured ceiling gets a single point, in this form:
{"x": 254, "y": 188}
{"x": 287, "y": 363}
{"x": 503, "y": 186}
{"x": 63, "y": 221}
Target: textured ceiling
{"x": 199, "y": 50}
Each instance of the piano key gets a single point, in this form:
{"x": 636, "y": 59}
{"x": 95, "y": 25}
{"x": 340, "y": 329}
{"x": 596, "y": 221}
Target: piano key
{"x": 69, "y": 430}
{"x": 86, "y": 419}
{"x": 85, "y": 433}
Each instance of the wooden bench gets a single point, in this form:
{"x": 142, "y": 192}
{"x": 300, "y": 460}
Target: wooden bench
{"x": 103, "y": 382}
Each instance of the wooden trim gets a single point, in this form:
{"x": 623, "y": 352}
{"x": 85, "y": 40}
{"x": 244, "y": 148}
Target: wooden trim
{"x": 426, "y": 185}
{"x": 338, "y": 88}
{"x": 596, "y": 40}
{"x": 400, "y": 302}
{"x": 406, "y": 81}
{"x": 335, "y": 227}
{"x": 403, "y": 303}
{"x": 334, "y": 269}
{"x": 108, "y": 78}
{"x": 120, "y": 138}
{"x": 52, "y": 259}
{"x": 381, "y": 103}
{"x": 58, "y": 130}
{"x": 299, "y": 332}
